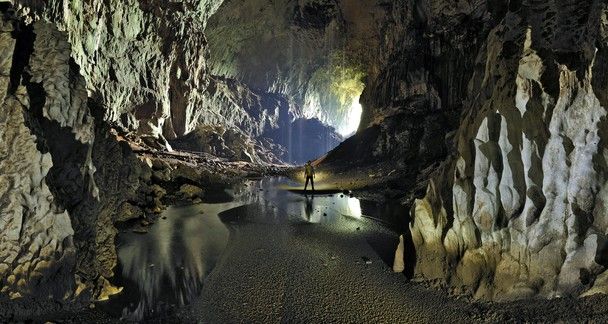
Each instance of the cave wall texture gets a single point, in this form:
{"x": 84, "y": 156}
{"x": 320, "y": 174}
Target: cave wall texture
{"x": 519, "y": 210}
{"x": 143, "y": 61}
{"x": 500, "y": 103}
{"x": 37, "y": 236}
{"x": 498, "y": 109}
{"x": 69, "y": 70}
{"x": 72, "y": 71}
{"x": 316, "y": 52}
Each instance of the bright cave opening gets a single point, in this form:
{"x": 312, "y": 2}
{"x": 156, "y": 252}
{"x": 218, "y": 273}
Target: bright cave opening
{"x": 353, "y": 119}
{"x": 334, "y": 91}
{"x": 294, "y": 86}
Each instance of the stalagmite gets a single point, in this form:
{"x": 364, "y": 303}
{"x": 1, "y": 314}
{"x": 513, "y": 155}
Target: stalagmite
{"x": 399, "y": 263}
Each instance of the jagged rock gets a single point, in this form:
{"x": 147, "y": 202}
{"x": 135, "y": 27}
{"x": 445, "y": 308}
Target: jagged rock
{"x": 233, "y": 104}
{"x": 518, "y": 209}
{"x": 191, "y": 191}
{"x": 229, "y": 143}
{"x": 157, "y": 191}
{"x": 106, "y": 289}
{"x": 66, "y": 96}
{"x": 83, "y": 170}
{"x": 36, "y": 245}
{"x": 149, "y": 58}
{"x": 334, "y": 40}
{"x": 525, "y": 212}
{"x": 190, "y": 173}
{"x": 75, "y": 68}
{"x": 162, "y": 175}
{"x": 127, "y": 212}
{"x": 158, "y": 164}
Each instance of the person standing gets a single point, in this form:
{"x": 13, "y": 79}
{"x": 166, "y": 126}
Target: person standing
{"x": 309, "y": 172}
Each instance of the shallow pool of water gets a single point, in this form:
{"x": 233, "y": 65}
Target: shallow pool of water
{"x": 166, "y": 267}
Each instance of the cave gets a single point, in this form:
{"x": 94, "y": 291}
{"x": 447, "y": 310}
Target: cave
{"x": 342, "y": 161}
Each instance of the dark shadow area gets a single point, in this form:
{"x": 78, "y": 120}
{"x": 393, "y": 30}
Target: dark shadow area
{"x": 217, "y": 195}
{"x": 394, "y": 216}
{"x": 317, "y": 192}
{"x": 390, "y": 213}
{"x": 384, "y": 246}
{"x": 240, "y": 215}
{"x": 409, "y": 254}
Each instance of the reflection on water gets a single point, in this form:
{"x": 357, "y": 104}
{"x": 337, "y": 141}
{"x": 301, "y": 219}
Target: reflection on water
{"x": 268, "y": 204}
{"x": 354, "y": 207}
{"x": 308, "y": 208}
{"x": 166, "y": 267}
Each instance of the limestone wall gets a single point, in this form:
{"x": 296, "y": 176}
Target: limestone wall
{"x": 37, "y": 251}
{"x": 525, "y": 215}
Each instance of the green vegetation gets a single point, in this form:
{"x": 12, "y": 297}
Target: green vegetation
{"x": 344, "y": 76}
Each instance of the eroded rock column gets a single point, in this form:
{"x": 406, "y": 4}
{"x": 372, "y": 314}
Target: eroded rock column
{"x": 527, "y": 215}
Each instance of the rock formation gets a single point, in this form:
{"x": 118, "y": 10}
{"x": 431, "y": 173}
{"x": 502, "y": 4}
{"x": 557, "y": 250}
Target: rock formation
{"x": 37, "y": 234}
{"x": 514, "y": 206}
{"x": 497, "y": 109}
{"x": 75, "y": 80}
{"x": 227, "y": 143}
{"x": 67, "y": 73}
{"x": 143, "y": 61}
{"x": 316, "y": 52}
{"x": 517, "y": 211}
{"x": 304, "y": 139}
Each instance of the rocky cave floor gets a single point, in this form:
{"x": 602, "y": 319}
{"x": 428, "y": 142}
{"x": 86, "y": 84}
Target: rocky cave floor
{"x": 286, "y": 272}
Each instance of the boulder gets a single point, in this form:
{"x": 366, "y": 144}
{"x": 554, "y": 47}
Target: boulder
{"x": 127, "y": 212}
{"x": 191, "y": 191}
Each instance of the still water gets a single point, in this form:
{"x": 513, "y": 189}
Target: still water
{"x": 166, "y": 267}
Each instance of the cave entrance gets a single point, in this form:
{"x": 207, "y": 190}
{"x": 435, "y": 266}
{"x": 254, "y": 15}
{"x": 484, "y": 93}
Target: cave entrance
{"x": 353, "y": 118}
{"x": 287, "y": 75}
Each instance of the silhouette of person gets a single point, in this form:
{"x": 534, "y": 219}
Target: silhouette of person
{"x": 309, "y": 172}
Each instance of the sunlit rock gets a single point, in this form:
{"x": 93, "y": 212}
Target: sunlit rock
{"x": 107, "y": 290}
{"x": 427, "y": 229}
{"x": 316, "y": 52}
{"x": 155, "y": 59}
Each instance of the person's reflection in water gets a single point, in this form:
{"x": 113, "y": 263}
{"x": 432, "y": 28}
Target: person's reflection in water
{"x": 308, "y": 208}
